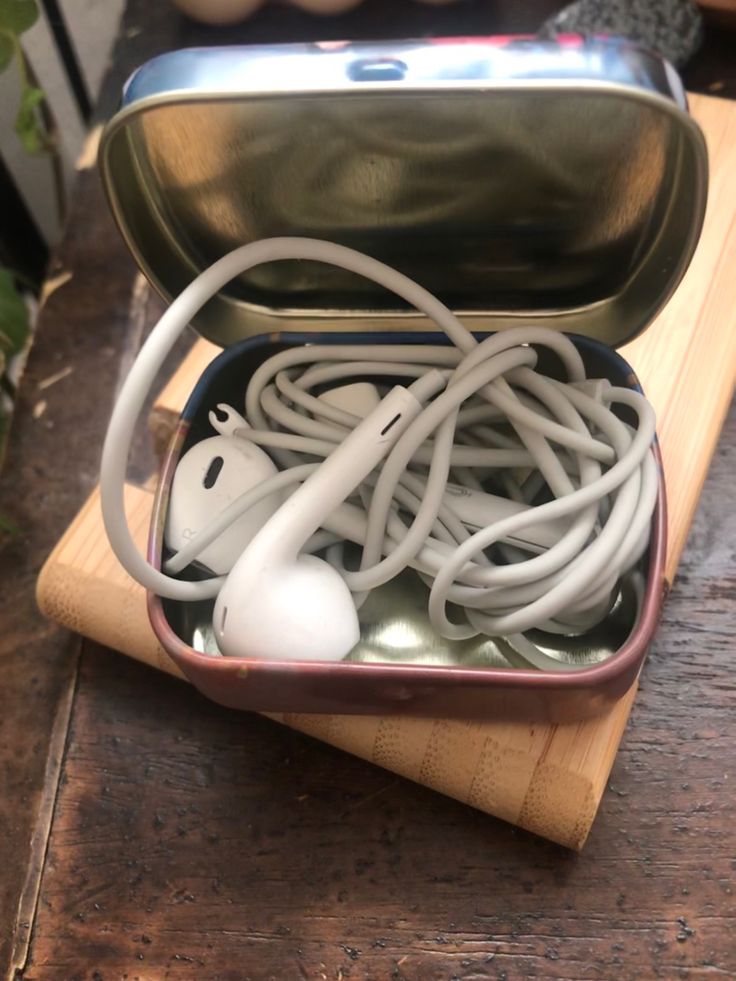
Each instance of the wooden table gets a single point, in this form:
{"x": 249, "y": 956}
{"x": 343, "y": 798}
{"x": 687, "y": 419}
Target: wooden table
{"x": 148, "y": 834}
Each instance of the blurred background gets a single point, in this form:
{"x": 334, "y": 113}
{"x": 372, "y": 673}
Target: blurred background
{"x": 69, "y": 43}
{"x": 66, "y": 50}
{"x": 55, "y": 55}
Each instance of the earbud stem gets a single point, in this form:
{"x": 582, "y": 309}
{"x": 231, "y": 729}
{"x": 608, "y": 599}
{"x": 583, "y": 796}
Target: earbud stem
{"x": 342, "y": 471}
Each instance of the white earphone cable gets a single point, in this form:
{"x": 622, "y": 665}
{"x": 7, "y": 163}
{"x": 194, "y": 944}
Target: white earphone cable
{"x": 562, "y": 434}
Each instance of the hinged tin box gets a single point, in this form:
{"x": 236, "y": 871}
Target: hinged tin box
{"x": 523, "y": 182}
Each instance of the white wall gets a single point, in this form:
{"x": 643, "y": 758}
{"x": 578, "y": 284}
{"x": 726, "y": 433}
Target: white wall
{"x": 92, "y": 26}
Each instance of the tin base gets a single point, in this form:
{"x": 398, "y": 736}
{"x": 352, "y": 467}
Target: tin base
{"x": 400, "y": 662}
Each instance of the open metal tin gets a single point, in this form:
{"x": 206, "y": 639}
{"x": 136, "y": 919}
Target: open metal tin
{"x": 559, "y": 184}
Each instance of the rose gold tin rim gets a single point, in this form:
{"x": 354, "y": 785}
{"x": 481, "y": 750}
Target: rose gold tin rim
{"x": 599, "y": 679}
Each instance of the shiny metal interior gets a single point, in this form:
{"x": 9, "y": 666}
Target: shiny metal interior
{"x": 577, "y": 207}
{"x": 555, "y": 184}
{"x": 395, "y": 627}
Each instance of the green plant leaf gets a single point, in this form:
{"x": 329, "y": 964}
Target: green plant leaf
{"x": 6, "y": 51}
{"x": 28, "y": 125}
{"x": 14, "y": 322}
{"x": 17, "y": 16}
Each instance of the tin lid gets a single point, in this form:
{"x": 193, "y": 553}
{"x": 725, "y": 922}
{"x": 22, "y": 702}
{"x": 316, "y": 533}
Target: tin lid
{"x": 560, "y": 183}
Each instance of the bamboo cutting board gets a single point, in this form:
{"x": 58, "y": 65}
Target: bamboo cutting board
{"x": 547, "y": 779}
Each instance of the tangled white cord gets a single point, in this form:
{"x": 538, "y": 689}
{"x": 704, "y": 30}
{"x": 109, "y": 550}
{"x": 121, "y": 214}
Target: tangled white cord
{"x": 554, "y": 447}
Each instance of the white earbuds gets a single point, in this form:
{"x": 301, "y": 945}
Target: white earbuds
{"x": 209, "y": 477}
{"x": 476, "y": 509}
{"x": 281, "y": 605}
{"x": 493, "y": 414}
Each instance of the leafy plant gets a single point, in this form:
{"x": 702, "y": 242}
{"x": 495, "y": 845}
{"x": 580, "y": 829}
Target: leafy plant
{"x": 14, "y": 326}
{"x": 34, "y": 127}
{"x": 16, "y": 17}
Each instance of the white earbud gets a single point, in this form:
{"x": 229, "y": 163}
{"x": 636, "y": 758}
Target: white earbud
{"x": 281, "y": 605}
{"x": 358, "y": 398}
{"x": 209, "y": 477}
{"x": 475, "y": 509}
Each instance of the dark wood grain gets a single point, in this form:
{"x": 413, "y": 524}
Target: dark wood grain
{"x": 51, "y": 464}
{"x": 193, "y": 842}
{"x": 190, "y": 842}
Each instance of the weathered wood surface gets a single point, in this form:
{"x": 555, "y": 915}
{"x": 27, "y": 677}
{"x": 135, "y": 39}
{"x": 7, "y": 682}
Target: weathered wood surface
{"x": 193, "y": 842}
{"x": 545, "y": 778}
{"x": 666, "y": 846}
